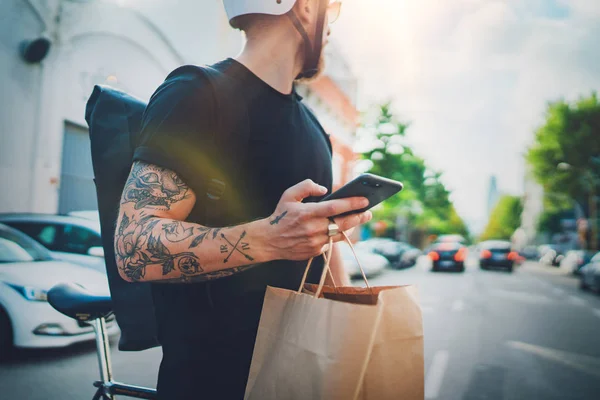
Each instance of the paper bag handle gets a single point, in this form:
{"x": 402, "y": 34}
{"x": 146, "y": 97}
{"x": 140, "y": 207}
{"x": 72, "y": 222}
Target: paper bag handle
{"x": 327, "y": 256}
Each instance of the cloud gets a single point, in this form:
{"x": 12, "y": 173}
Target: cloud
{"x": 473, "y": 76}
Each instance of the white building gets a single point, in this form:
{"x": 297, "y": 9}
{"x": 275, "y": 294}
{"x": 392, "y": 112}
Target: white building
{"x": 533, "y": 207}
{"x": 45, "y": 163}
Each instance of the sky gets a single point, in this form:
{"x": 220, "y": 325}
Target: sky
{"x": 473, "y": 78}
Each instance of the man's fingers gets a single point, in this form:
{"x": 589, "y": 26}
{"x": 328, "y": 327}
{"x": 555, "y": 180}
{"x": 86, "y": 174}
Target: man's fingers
{"x": 331, "y": 208}
{"x": 351, "y": 221}
{"x": 302, "y": 190}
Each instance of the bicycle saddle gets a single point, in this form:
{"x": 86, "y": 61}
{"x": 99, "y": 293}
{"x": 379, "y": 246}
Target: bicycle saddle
{"x": 77, "y": 302}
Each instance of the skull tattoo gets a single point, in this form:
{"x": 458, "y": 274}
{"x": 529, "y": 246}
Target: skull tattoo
{"x": 149, "y": 185}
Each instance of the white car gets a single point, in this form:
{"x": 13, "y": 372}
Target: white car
{"x": 74, "y": 238}
{"x": 372, "y": 263}
{"x": 27, "y": 272}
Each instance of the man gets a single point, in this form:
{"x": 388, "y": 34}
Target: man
{"x": 210, "y": 270}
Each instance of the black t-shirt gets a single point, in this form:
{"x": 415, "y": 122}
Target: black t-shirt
{"x": 283, "y": 145}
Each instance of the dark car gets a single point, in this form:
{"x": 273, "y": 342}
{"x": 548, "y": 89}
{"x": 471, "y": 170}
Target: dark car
{"x": 410, "y": 257}
{"x": 497, "y": 254}
{"x": 590, "y": 274}
{"x": 399, "y": 254}
{"x": 448, "y": 257}
{"x": 530, "y": 253}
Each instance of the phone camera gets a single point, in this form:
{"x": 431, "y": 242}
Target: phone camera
{"x": 377, "y": 185}
{"x": 365, "y": 183}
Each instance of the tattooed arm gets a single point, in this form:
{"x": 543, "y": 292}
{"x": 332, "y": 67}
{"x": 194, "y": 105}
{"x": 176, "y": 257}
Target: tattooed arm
{"x": 152, "y": 243}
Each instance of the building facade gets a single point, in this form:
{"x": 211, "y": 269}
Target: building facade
{"x": 128, "y": 44}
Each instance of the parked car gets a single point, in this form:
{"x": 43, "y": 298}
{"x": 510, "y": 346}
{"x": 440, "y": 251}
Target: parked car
{"x": 70, "y": 238}
{"x": 530, "y": 253}
{"x": 448, "y": 256}
{"x": 373, "y": 245}
{"x": 575, "y": 259}
{"x": 394, "y": 252}
{"x": 27, "y": 272}
{"x": 373, "y": 264}
{"x": 550, "y": 255}
{"x": 497, "y": 254}
{"x": 590, "y": 274}
{"x": 410, "y": 257}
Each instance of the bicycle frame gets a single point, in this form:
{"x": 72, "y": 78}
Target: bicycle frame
{"x": 107, "y": 388}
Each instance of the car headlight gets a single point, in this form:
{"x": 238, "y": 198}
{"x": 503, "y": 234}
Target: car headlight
{"x": 31, "y": 293}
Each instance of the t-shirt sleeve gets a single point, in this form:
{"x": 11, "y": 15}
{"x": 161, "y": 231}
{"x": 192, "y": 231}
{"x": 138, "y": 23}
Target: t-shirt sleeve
{"x": 177, "y": 128}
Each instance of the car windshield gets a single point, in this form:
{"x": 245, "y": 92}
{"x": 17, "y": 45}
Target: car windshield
{"x": 496, "y": 244}
{"x": 15, "y": 247}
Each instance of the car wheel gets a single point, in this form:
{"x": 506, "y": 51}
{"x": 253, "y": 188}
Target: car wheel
{"x": 461, "y": 269}
{"x": 6, "y": 335}
{"x": 510, "y": 269}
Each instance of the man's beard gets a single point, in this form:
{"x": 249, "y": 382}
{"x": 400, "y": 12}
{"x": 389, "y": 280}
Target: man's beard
{"x": 320, "y": 69}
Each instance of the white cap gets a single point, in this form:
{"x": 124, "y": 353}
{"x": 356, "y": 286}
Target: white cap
{"x": 235, "y": 8}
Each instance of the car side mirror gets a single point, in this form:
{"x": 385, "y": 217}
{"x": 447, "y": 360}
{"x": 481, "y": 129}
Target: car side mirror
{"x": 96, "y": 251}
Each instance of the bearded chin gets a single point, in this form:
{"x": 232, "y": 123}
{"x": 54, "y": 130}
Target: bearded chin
{"x": 320, "y": 69}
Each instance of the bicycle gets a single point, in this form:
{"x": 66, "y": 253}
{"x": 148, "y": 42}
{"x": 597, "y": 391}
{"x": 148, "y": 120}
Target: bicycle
{"x": 76, "y": 302}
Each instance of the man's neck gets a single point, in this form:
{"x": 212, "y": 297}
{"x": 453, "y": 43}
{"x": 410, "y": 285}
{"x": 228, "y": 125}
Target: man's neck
{"x": 274, "y": 57}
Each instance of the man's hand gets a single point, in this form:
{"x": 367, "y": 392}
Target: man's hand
{"x": 298, "y": 231}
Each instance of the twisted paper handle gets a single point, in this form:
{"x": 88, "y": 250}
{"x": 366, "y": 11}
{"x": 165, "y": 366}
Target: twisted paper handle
{"x": 327, "y": 256}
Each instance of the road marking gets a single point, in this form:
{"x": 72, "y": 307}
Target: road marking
{"x": 576, "y": 301}
{"x": 525, "y": 297}
{"x": 596, "y": 312}
{"x": 435, "y": 375}
{"x": 458, "y": 305}
{"x": 583, "y": 363}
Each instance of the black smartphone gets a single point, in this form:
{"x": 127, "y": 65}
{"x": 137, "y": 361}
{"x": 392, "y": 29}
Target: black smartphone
{"x": 375, "y": 188}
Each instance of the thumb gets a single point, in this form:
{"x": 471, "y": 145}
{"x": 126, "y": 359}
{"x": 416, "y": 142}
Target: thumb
{"x": 302, "y": 190}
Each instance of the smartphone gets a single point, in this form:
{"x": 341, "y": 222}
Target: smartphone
{"x": 375, "y": 188}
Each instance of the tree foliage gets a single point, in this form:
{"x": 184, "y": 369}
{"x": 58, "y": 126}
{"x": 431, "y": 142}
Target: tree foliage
{"x": 425, "y": 201}
{"x": 504, "y": 219}
{"x": 569, "y": 138}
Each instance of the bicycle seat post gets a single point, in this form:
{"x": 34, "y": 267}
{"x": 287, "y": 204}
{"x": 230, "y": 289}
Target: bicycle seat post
{"x": 103, "y": 350}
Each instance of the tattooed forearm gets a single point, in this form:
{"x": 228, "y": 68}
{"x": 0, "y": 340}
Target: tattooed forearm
{"x": 137, "y": 246}
{"x": 153, "y": 242}
{"x": 209, "y": 275}
{"x": 149, "y": 185}
{"x": 236, "y": 247}
{"x": 145, "y": 242}
{"x": 175, "y": 232}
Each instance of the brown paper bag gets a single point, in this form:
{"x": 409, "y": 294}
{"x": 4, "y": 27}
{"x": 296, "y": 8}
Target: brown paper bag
{"x": 327, "y": 342}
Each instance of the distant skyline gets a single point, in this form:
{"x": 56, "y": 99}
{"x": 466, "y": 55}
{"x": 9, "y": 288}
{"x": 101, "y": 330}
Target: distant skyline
{"x": 473, "y": 77}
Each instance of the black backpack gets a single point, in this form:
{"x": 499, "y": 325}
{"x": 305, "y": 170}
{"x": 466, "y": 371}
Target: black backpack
{"x": 114, "y": 119}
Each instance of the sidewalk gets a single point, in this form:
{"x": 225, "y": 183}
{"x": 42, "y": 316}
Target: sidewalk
{"x": 545, "y": 269}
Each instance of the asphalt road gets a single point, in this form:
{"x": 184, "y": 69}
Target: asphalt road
{"x": 488, "y": 335}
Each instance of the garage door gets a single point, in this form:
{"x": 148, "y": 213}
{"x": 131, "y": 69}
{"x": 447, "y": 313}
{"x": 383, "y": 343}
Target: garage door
{"x": 77, "y": 190}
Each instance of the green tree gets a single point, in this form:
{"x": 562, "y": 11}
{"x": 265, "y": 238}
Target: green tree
{"x": 565, "y": 156}
{"x": 425, "y": 201}
{"x": 504, "y": 219}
